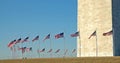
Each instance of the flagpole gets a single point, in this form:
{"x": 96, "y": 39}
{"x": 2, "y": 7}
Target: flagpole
{"x": 12, "y": 52}
{"x": 80, "y": 42}
{"x": 29, "y": 51}
{"x": 38, "y": 49}
{"x": 50, "y": 47}
{"x": 80, "y": 45}
{"x": 21, "y": 51}
{"x": 64, "y": 46}
{"x": 16, "y": 49}
{"x": 65, "y": 51}
{"x": 22, "y": 55}
{"x": 96, "y": 45}
{"x": 64, "y": 43}
{"x": 72, "y": 55}
{"x": 38, "y": 53}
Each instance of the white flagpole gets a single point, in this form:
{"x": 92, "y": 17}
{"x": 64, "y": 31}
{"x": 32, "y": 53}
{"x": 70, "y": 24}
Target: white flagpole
{"x": 29, "y": 53}
{"x": 64, "y": 43}
{"x": 80, "y": 43}
{"x": 21, "y": 51}
{"x": 50, "y": 47}
{"x": 38, "y": 53}
{"x": 65, "y": 52}
{"x": 12, "y": 52}
{"x": 96, "y": 44}
{"x": 39, "y": 48}
{"x": 64, "y": 46}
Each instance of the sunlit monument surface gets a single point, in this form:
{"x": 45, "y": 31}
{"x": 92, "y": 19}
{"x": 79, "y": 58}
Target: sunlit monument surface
{"x": 94, "y": 15}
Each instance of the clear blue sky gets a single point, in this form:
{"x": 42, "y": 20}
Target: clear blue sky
{"x": 22, "y": 18}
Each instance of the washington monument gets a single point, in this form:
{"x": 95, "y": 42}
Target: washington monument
{"x": 94, "y": 17}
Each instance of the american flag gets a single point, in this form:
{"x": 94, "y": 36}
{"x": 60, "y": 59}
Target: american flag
{"x": 28, "y": 49}
{"x": 25, "y": 40}
{"x": 75, "y": 34}
{"x": 49, "y": 51}
{"x": 74, "y": 50}
{"x": 12, "y": 43}
{"x": 93, "y": 34}
{"x": 42, "y": 50}
{"x": 18, "y": 41}
{"x": 108, "y": 33}
{"x": 59, "y": 35}
{"x": 57, "y": 51}
{"x": 47, "y": 37}
{"x": 36, "y": 38}
{"x": 23, "y": 49}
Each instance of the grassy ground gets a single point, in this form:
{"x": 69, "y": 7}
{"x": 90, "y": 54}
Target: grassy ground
{"x": 66, "y": 60}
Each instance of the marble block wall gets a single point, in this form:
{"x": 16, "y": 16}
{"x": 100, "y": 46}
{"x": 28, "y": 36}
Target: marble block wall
{"x": 94, "y": 15}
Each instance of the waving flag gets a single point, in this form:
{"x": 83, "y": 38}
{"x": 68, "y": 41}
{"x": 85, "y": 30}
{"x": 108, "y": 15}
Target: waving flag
{"x": 49, "y": 51}
{"x": 61, "y": 35}
{"x": 28, "y": 49}
{"x": 93, "y": 34}
{"x": 36, "y": 38}
{"x": 108, "y": 33}
{"x": 42, "y": 50}
{"x": 23, "y": 49}
{"x": 74, "y": 50}
{"x": 25, "y": 40}
{"x": 47, "y": 37}
{"x": 12, "y": 43}
{"x": 18, "y": 41}
{"x": 75, "y": 34}
{"x": 57, "y": 51}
